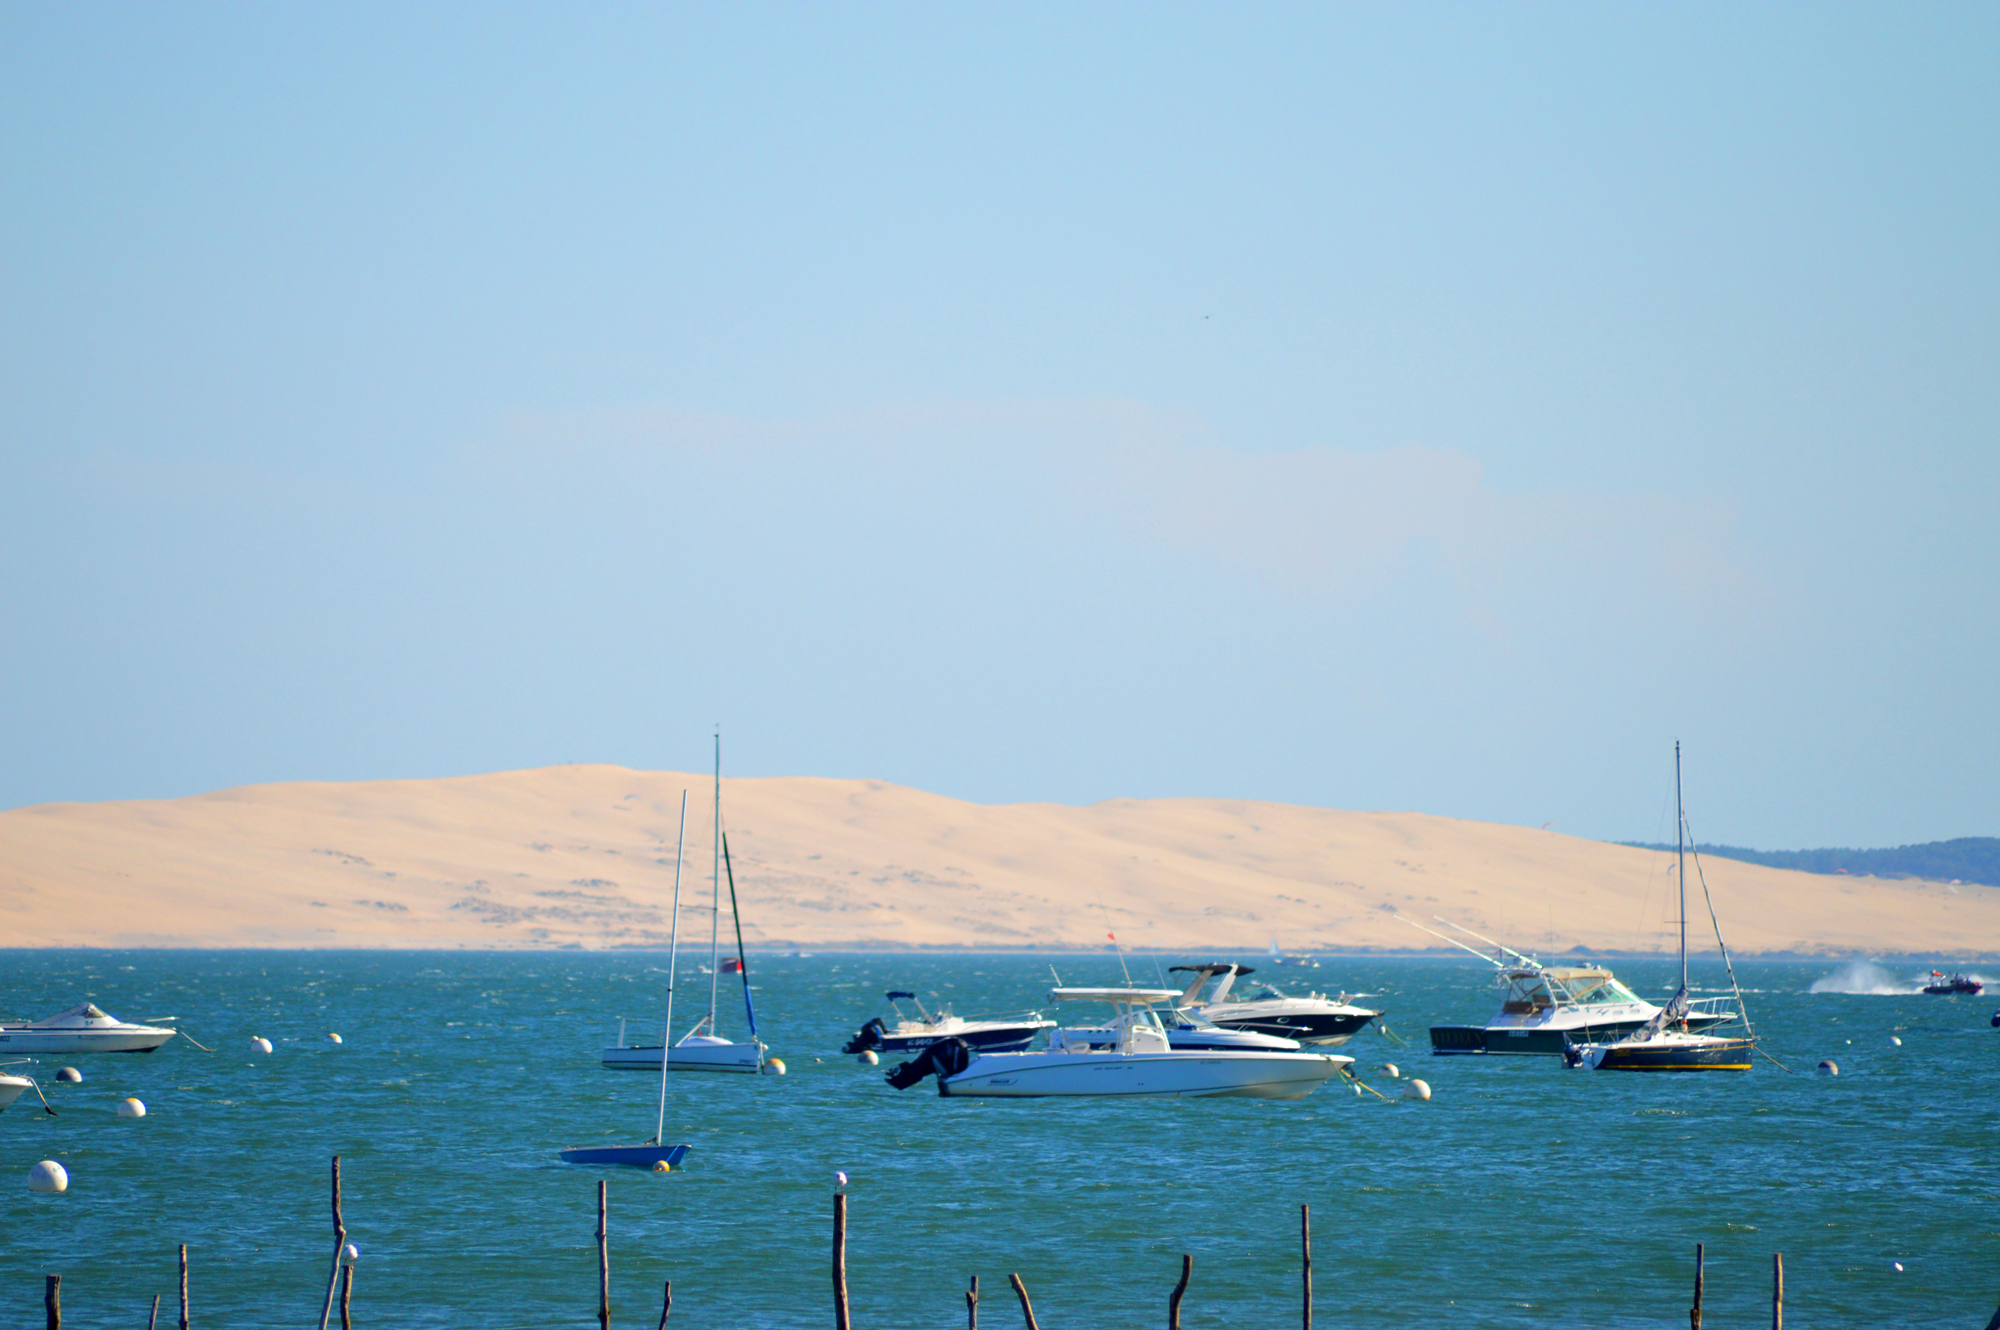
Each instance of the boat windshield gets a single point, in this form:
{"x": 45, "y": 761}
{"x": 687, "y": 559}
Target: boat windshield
{"x": 1268, "y": 993}
{"x": 1606, "y": 991}
{"x": 1191, "y": 1020}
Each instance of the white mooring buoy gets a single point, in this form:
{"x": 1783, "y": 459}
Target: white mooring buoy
{"x": 1897, "y": 1266}
{"x": 131, "y": 1108}
{"x": 70, "y": 1074}
{"x": 260, "y": 1043}
{"x": 1416, "y": 1090}
{"x": 774, "y": 1066}
{"x": 1895, "y": 1042}
{"x": 332, "y": 1038}
{"x": 48, "y": 1176}
{"x": 350, "y": 1254}
{"x": 869, "y": 1057}
{"x": 1391, "y": 1070}
{"x": 1830, "y": 1067}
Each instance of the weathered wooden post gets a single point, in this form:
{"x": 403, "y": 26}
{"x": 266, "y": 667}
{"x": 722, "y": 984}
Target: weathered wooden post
{"x": 1694, "y": 1312}
{"x": 840, "y": 1261}
{"x": 1180, "y": 1291}
{"x": 154, "y": 1320}
{"x": 339, "y": 1245}
{"x": 52, "y": 1300}
{"x": 1777, "y": 1290}
{"x": 603, "y": 1261}
{"x": 972, "y": 1304}
{"x": 666, "y": 1304}
{"x": 346, "y": 1297}
{"x": 184, "y": 1286}
{"x": 1306, "y": 1269}
{"x": 1027, "y": 1308}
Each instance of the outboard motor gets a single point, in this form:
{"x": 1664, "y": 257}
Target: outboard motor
{"x": 870, "y": 1036}
{"x": 944, "y": 1059}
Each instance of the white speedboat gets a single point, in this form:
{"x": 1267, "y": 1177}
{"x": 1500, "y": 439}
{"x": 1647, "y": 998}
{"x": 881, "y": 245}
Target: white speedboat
{"x": 990, "y": 1034}
{"x": 1313, "y": 1019}
{"x": 1137, "y": 1061}
{"x": 12, "y": 1088}
{"x": 84, "y": 1028}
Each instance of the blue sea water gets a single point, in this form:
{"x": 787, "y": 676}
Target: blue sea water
{"x": 1521, "y": 1195}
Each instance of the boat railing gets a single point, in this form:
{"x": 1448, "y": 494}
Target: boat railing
{"x": 1723, "y": 1005}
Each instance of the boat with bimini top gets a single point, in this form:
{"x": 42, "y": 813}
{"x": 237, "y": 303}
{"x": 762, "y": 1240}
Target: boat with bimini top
{"x": 1313, "y": 1019}
{"x": 1136, "y": 1059}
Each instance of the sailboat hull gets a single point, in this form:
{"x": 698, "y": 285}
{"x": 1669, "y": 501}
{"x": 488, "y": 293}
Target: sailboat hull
{"x": 1697, "y": 1053}
{"x": 629, "y": 1156}
{"x": 687, "y": 1057}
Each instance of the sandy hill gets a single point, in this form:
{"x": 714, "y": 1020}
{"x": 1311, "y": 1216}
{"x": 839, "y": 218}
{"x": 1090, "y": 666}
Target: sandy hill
{"x": 583, "y": 856}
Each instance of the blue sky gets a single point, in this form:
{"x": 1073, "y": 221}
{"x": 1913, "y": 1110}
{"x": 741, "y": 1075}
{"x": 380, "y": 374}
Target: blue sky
{"x": 1437, "y": 408}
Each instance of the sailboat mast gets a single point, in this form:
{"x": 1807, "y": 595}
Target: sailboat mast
{"x": 715, "y": 894}
{"x": 1680, "y": 853}
{"x": 673, "y": 950}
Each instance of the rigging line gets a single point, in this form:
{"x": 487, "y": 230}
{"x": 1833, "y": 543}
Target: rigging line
{"x": 742, "y": 959}
{"x": 1742, "y": 1011}
{"x": 1364, "y": 1085}
{"x": 1774, "y": 1062}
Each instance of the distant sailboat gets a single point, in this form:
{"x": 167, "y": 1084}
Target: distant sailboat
{"x": 703, "y": 1048}
{"x": 1666, "y": 1043}
{"x": 655, "y": 1151}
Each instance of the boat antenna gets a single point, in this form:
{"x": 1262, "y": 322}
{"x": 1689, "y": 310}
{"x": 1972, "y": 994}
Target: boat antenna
{"x": 1452, "y": 940}
{"x": 673, "y": 951}
{"x": 1114, "y": 939}
{"x": 715, "y": 892}
{"x": 742, "y": 958}
{"x": 1523, "y": 956}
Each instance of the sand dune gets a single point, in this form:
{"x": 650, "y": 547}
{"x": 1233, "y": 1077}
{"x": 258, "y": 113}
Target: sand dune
{"x": 583, "y": 856}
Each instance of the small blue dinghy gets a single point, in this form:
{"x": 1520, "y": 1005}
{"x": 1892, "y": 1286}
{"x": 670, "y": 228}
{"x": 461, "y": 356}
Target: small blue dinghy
{"x": 652, "y": 1153}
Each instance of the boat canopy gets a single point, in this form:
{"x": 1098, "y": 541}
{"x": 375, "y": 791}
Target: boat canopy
{"x": 1122, "y": 997}
{"x": 80, "y": 1014}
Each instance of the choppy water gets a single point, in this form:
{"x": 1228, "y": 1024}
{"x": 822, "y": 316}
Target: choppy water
{"x": 1521, "y": 1195}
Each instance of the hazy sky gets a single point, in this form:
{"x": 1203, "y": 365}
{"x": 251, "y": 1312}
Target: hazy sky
{"x": 1437, "y": 408}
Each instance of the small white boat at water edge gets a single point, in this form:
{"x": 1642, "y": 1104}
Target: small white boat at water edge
{"x": 1139, "y": 1061}
{"x": 84, "y": 1028}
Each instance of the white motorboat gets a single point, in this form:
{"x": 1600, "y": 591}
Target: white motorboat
{"x": 990, "y": 1034}
{"x": 84, "y": 1028}
{"x": 1317, "y": 1019}
{"x": 1546, "y": 1008}
{"x": 1137, "y": 1060}
{"x": 12, "y": 1088}
{"x": 703, "y": 1048}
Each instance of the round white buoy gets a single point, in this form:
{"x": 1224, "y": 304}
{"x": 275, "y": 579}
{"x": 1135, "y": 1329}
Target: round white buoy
{"x": 1894, "y": 1041}
{"x": 840, "y": 1177}
{"x": 131, "y": 1108}
{"x": 662, "y": 1166}
{"x": 1357, "y": 1087}
{"x": 1848, "y": 1042}
{"x": 260, "y": 1043}
{"x": 869, "y": 1057}
{"x": 350, "y": 1254}
{"x": 69, "y": 1074}
{"x": 1830, "y": 1067}
{"x": 1897, "y": 1266}
{"x": 48, "y": 1176}
{"x": 1391, "y": 1070}
{"x": 774, "y": 1066}
{"x": 1416, "y": 1090}
{"x": 333, "y": 1038}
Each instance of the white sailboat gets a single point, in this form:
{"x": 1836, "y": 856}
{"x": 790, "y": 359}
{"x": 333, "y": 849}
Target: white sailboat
{"x": 650, "y": 1154}
{"x": 703, "y": 1048}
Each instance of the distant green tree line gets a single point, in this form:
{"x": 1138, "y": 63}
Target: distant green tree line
{"x": 1967, "y": 859}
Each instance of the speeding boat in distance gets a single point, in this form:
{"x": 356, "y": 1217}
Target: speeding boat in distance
{"x": 993, "y": 1034}
{"x": 1546, "y": 1008}
{"x": 1314, "y": 1019}
{"x": 1137, "y": 1061}
{"x": 1948, "y": 985}
{"x": 84, "y": 1028}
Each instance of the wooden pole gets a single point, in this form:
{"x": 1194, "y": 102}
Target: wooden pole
{"x": 339, "y": 1245}
{"x": 52, "y": 1300}
{"x": 604, "y": 1259}
{"x": 154, "y": 1319}
{"x": 1694, "y": 1312}
{"x": 1306, "y": 1269}
{"x": 666, "y": 1304}
{"x": 346, "y": 1297}
{"x": 1777, "y": 1290}
{"x": 184, "y": 1286}
{"x": 1180, "y": 1291}
{"x": 1027, "y": 1308}
{"x": 972, "y": 1304}
{"x": 840, "y": 1321}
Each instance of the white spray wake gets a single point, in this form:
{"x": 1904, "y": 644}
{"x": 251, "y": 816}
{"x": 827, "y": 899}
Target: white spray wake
{"x": 1865, "y": 977}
